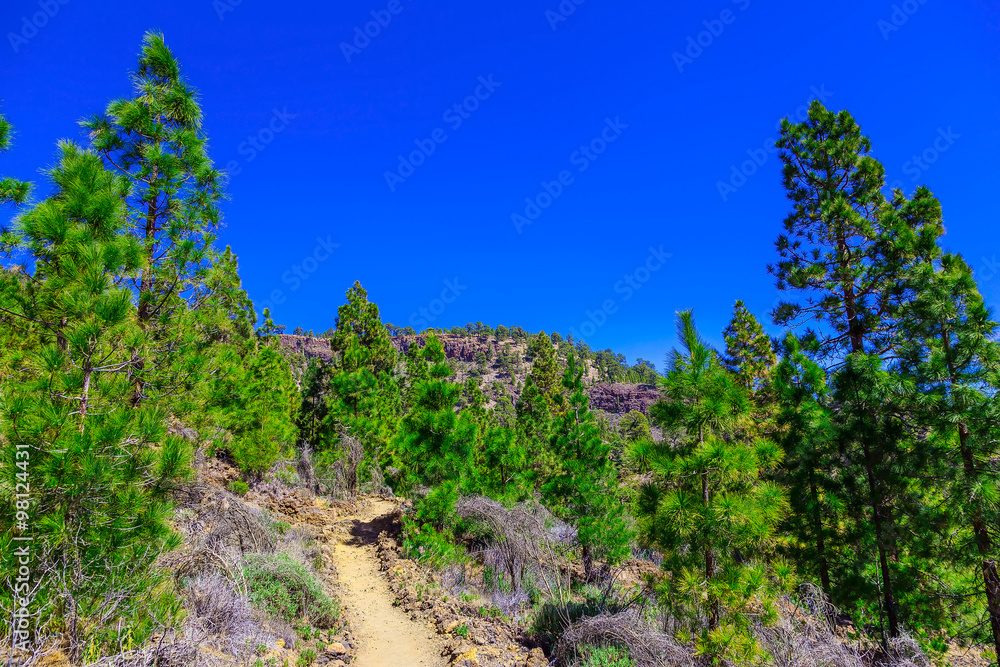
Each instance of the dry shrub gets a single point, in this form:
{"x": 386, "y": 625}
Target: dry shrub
{"x": 222, "y": 618}
{"x": 627, "y": 630}
{"x": 519, "y": 541}
{"x": 377, "y": 483}
{"x": 806, "y": 636}
{"x": 806, "y": 644}
{"x": 221, "y": 524}
{"x": 906, "y": 652}
{"x": 174, "y": 654}
{"x": 337, "y": 475}
{"x": 306, "y": 470}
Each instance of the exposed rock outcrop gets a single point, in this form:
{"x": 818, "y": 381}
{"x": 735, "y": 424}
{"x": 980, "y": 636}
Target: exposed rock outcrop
{"x": 307, "y": 347}
{"x": 621, "y": 398}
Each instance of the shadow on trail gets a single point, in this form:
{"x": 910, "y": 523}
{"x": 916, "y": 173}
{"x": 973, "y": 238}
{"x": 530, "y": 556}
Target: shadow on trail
{"x": 367, "y": 532}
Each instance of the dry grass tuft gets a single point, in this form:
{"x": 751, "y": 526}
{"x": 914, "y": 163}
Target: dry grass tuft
{"x": 628, "y": 630}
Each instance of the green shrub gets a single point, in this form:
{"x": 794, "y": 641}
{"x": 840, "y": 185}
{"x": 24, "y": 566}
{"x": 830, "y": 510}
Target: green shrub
{"x": 462, "y": 631}
{"x": 285, "y": 589}
{"x": 289, "y": 476}
{"x": 605, "y": 656}
{"x": 307, "y": 657}
{"x": 424, "y": 543}
{"x": 239, "y": 487}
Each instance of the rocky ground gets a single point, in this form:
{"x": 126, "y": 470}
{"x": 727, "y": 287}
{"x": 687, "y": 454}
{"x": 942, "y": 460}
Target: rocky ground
{"x": 394, "y": 611}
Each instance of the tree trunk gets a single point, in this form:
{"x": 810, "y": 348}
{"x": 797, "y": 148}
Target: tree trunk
{"x": 879, "y": 518}
{"x": 824, "y": 566}
{"x": 854, "y": 330}
{"x": 588, "y": 563}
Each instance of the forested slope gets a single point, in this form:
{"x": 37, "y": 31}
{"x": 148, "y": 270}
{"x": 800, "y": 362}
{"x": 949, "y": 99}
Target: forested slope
{"x": 174, "y": 469}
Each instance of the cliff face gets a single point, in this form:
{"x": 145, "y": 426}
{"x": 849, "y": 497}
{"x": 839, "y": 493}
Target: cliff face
{"x": 461, "y": 348}
{"x": 307, "y": 347}
{"x": 619, "y": 398}
{"x": 615, "y": 399}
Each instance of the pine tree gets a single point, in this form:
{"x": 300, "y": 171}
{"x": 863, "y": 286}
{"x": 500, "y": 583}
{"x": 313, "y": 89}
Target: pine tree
{"x": 707, "y": 509}
{"x": 14, "y": 193}
{"x": 840, "y": 251}
{"x": 155, "y": 140}
{"x": 501, "y": 463}
{"x": 534, "y": 424}
{"x": 359, "y": 319}
{"x": 749, "y": 356}
{"x": 544, "y": 369}
{"x": 948, "y": 349}
{"x": 99, "y": 473}
{"x": 363, "y": 405}
{"x": 434, "y": 442}
{"x": 581, "y": 489}
{"x": 831, "y": 248}
{"x": 313, "y": 408}
{"x": 807, "y": 431}
{"x": 875, "y": 441}
{"x": 254, "y": 398}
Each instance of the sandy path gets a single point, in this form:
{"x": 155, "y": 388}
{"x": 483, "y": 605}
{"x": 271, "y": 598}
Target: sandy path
{"x": 385, "y": 635}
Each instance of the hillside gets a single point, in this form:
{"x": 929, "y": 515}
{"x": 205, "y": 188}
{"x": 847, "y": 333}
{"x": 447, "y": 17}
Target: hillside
{"x": 501, "y": 367}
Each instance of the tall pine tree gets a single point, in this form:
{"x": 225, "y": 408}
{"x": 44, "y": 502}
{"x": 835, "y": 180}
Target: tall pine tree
{"x": 948, "y": 349}
{"x": 98, "y": 473}
{"x": 581, "y": 488}
{"x": 156, "y": 142}
{"x": 707, "y": 508}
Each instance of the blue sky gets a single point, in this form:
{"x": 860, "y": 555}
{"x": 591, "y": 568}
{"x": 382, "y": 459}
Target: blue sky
{"x": 618, "y": 121}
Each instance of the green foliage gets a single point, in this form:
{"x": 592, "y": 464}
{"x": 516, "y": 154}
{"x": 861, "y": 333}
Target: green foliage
{"x": 749, "y": 356}
{"x": 254, "y": 398}
{"x": 581, "y": 488}
{"x": 359, "y": 320}
{"x": 604, "y": 656}
{"x": 611, "y": 367}
{"x": 805, "y": 420}
{"x": 634, "y": 426}
{"x": 831, "y": 248}
{"x": 708, "y": 510}
{"x": 239, "y": 487}
{"x": 313, "y": 410}
{"x": 12, "y": 191}
{"x": 285, "y": 589}
{"x": 423, "y": 542}
{"x": 100, "y": 473}
{"x": 434, "y": 442}
{"x": 500, "y": 465}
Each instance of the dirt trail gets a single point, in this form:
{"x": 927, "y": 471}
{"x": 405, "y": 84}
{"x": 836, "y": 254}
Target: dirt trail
{"x": 386, "y": 636}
